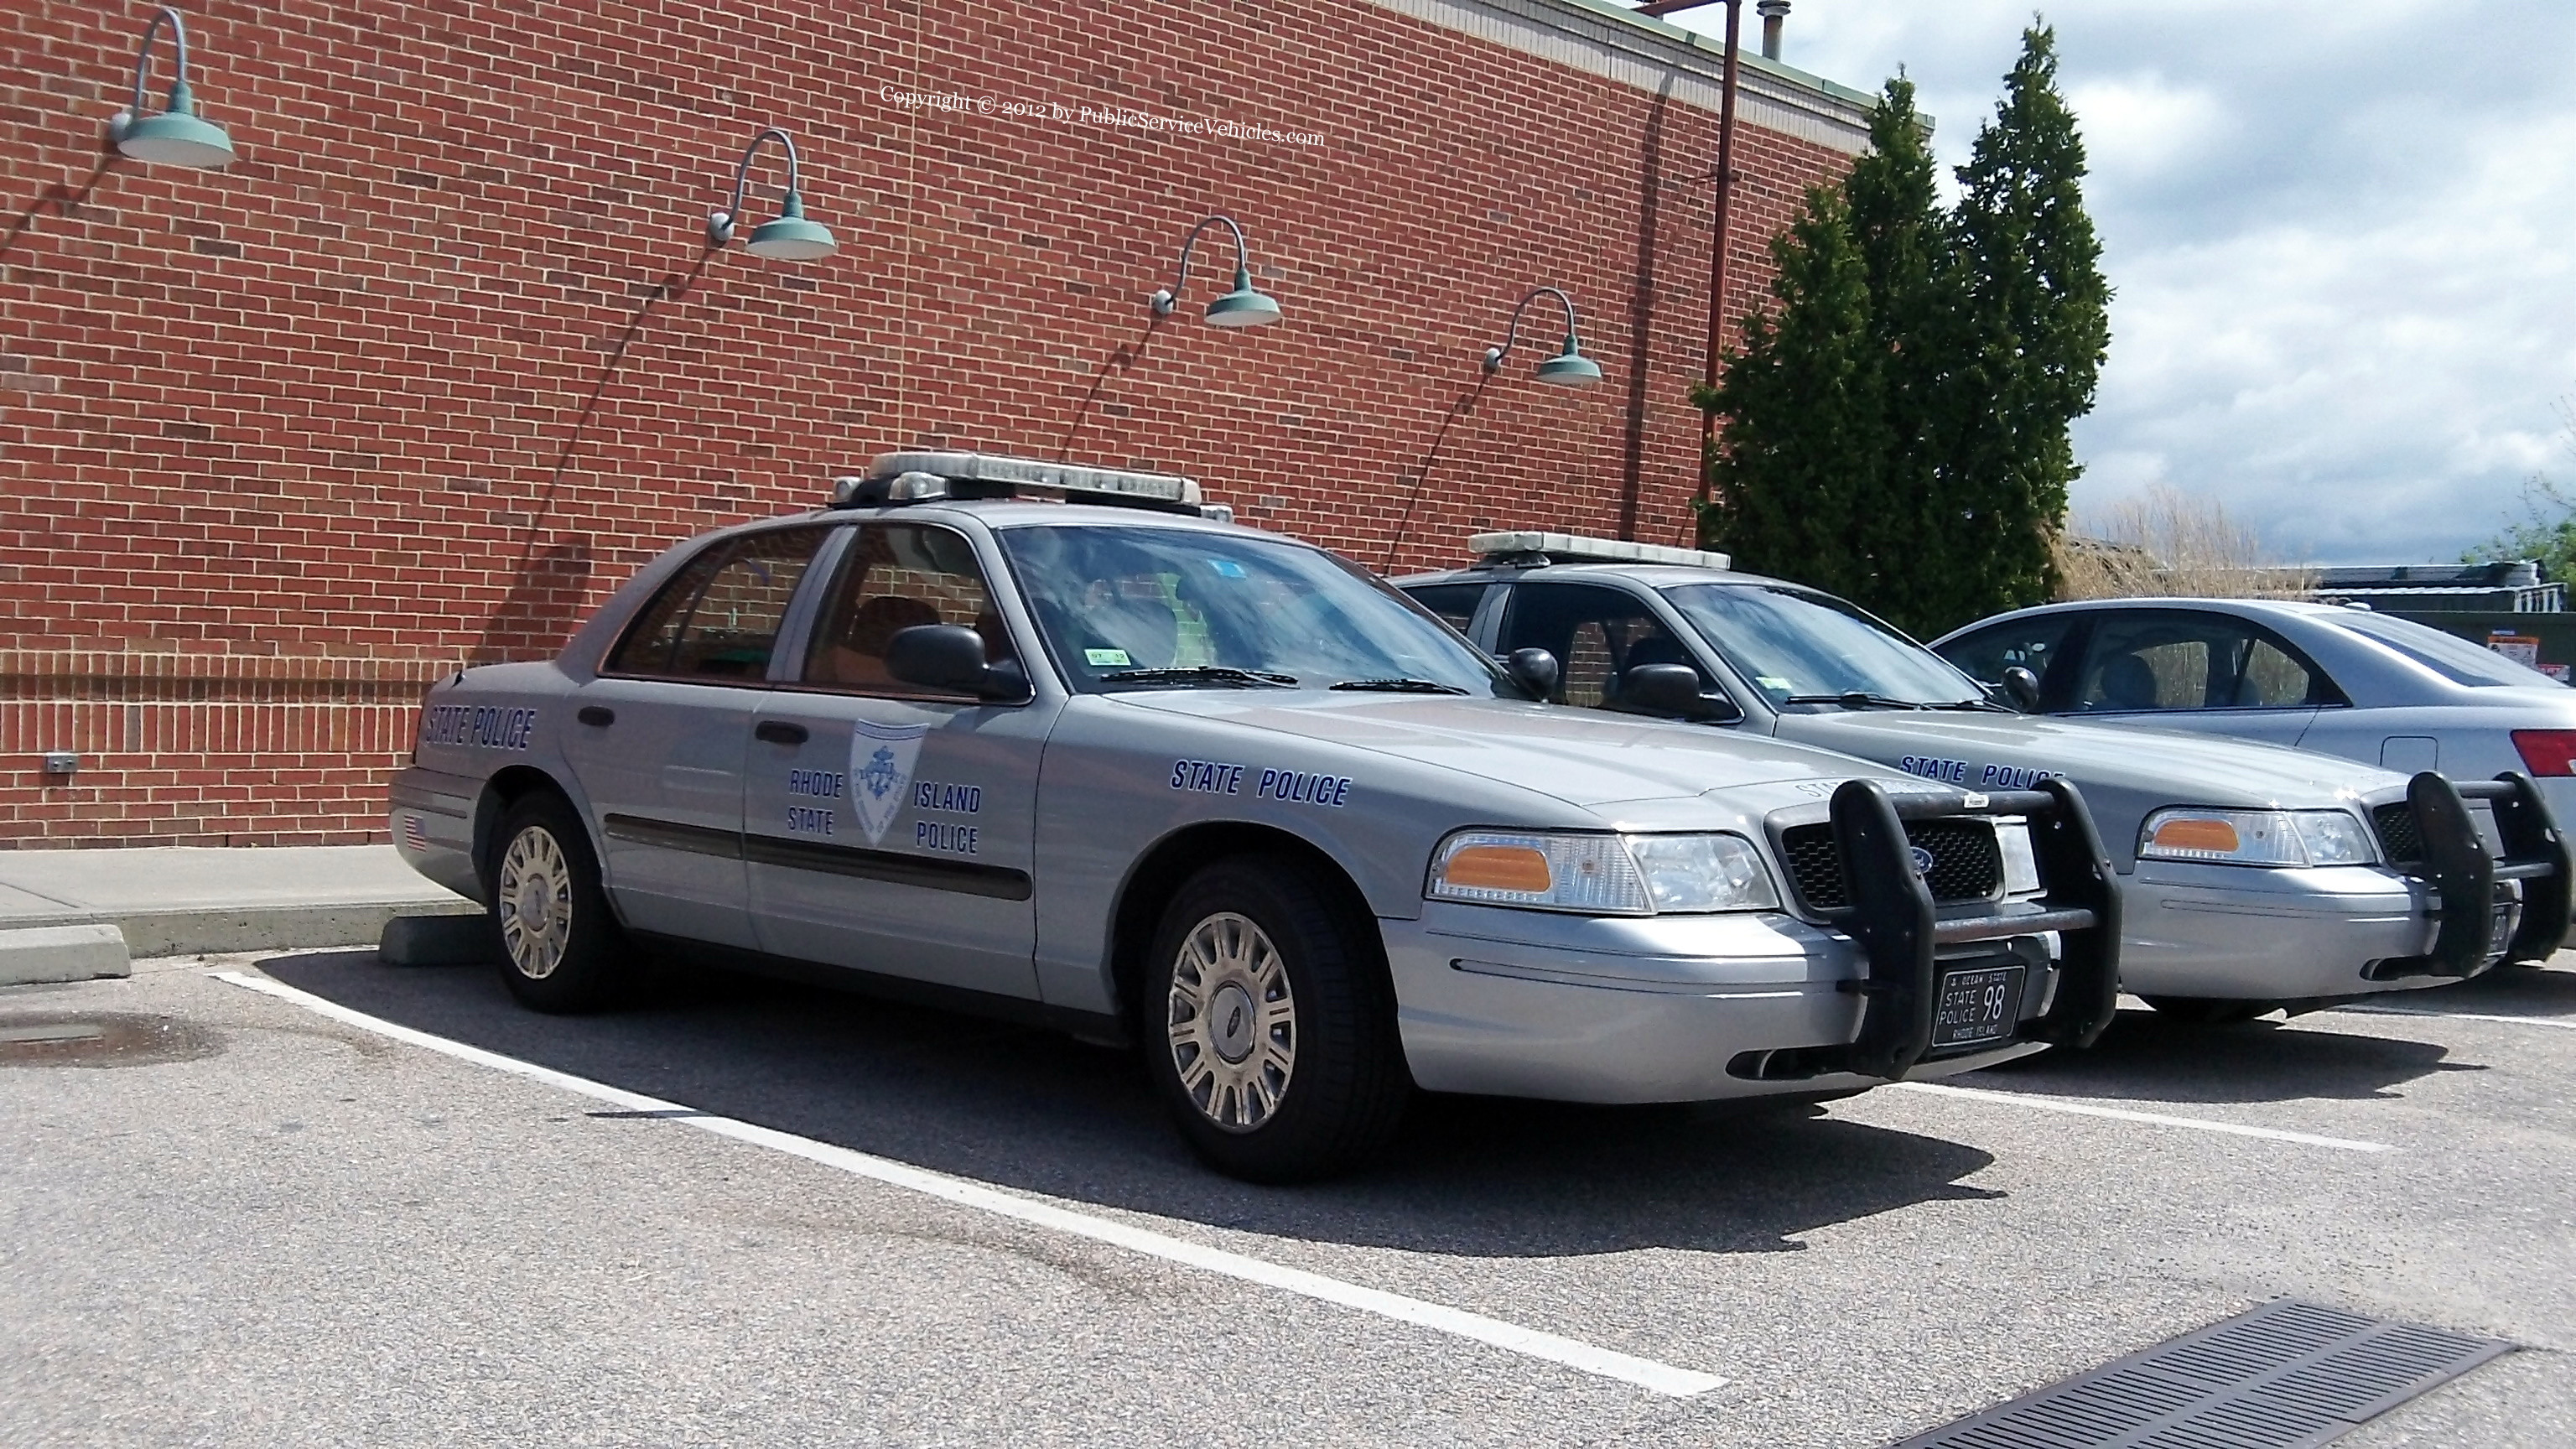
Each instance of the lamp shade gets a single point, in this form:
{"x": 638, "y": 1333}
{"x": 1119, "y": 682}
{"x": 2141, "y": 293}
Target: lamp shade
{"x": 791, "y": 238}
{"x": 174, "y": 138}
{"x": 1569, "y": 368}
{"x": 1244, "y": 306}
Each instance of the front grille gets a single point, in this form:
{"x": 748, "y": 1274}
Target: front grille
{"x": 2399, "y": 840}
{"x": 1967, "y": 865}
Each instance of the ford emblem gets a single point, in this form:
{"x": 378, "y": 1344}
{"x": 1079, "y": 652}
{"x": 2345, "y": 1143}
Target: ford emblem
{"x": 1922, "y": 859}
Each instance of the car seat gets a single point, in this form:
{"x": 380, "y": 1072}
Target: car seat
{"x": 2128, "y": 682}
{"x": 856, "y": 654}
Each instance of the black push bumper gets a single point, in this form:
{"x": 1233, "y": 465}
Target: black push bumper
{"x": 1892, "y": 916}
{"x": 2470, "y": 883}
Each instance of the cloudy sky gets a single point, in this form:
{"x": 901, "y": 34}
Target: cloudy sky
{"x": 2342, "y": 233}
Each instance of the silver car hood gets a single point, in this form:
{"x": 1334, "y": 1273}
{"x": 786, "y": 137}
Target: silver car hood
{"x": 2167, "y": 766}
{"x": 1581, "y": 756}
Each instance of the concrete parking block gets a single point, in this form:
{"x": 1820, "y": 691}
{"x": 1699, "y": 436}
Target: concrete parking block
{"x": 438, "y": 941}
{"x": 62, "y": 953}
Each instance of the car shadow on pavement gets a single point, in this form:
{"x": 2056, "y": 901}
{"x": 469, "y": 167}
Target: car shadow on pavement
{"x": 1033, "y": 1110}
{"x": 2147, "y": 1057}
{"x": 2504, "y": 991}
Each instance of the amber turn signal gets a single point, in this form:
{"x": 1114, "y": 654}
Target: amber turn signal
{"x": 1498, "y": 868}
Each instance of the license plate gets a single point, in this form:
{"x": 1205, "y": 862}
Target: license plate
{"x": 2500, "y": 930}
{"x": 1977, "y": 1005}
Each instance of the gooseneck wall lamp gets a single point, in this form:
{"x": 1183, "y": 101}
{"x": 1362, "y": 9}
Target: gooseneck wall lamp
{"x": 1569, "y": 368}
{"x": 787, "y": 238}
{"x": 178, "y": 136}
{"x": 1242, "y": 307}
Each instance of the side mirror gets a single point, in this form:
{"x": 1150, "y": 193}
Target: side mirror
{"x": 2022, "y": 688}
{"x": 950, "y": 658}
{"x": 1534, "y": 670}
{"x": 1671, "y": 689}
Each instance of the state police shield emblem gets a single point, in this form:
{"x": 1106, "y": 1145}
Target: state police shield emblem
{"x": 881, "y": 760}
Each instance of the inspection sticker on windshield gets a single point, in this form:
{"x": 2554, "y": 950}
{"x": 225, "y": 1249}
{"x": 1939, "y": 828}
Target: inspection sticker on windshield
{"x": 1105, "y": 658}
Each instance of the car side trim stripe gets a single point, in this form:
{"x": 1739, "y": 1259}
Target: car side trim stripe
{"x": 696, "y": 839}
{"x": 965, "y": 877}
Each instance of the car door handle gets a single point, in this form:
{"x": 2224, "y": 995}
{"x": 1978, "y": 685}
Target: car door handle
{"x": 781, "y": 732}
{"x": 592, "y": 714}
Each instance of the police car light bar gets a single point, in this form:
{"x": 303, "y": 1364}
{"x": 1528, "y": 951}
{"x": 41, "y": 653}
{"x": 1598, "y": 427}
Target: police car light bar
{"x": 1021, "y": 477}
{"x": 1576, "y": 548}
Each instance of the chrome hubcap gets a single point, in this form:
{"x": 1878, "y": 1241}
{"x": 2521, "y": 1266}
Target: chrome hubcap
{"x": 1232, "y": 1022}
{"x": 536, "y": 903}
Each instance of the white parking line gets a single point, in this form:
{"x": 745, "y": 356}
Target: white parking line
{"x": 1644, "y": 1373}
{"x": 2563, "y": 1023}
{"x": 2122, "y": 1114}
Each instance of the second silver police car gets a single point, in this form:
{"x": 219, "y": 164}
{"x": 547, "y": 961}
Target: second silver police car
{"x": 2253, "y": 876}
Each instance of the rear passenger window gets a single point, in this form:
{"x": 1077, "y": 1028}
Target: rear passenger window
{"x": 2184, "y": 660}
{"x": 718, "y": 620}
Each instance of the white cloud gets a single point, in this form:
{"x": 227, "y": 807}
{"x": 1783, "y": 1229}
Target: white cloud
{"x": 2340, "y": 233}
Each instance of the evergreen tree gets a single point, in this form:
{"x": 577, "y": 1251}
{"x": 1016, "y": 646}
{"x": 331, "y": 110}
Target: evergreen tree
{"x": 2038, "y": 310}
{"x": 1917, "y": 306}
{"x": 1801, "y": 450}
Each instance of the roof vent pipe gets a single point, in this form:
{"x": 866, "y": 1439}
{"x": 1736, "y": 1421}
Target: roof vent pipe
{"x": 1773, "y": 12}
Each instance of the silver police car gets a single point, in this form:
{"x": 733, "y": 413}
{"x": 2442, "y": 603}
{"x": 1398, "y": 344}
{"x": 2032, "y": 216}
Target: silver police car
{"x": 2254, "y": 876}
{"x": 1055, "y": 743}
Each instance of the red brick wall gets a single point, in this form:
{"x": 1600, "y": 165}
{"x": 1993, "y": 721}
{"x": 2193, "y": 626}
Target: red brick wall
{"x": 278, "y": 444}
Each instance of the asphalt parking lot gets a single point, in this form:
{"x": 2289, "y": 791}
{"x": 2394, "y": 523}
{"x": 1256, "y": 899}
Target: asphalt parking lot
{"x": 234, "y": 1216}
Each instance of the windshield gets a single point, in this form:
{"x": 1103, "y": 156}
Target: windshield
{"x": 1794, "y": 644}
{"x": 1166, "y": 608}
{"x": 2448, "y": 655}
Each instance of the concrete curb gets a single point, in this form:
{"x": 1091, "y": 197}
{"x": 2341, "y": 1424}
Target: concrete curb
{"x": 439, "y": 940}
{"x": 45, "y": 954}
{"x": 209, "y": 930}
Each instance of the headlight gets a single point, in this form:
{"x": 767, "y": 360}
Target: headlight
{"x": 2257, "y": 837}
{"x": 1703, "y": 873}
{"x": 2021, "y": 863}
{"x": 1602, "y": 875}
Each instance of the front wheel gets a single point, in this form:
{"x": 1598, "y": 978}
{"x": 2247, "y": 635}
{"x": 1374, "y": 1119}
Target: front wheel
{"x": 2208, "y": 1010}
{"x": 560, "y": 948}
{"x": 1273, "y": 1039}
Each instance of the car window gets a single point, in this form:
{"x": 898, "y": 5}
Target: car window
{"x": 2448, "y": 655}
{"x": 898, "y": 575}
{"x": 1127, "y": 607}
{"x": 1596, "y": 634}
{"x": 718, "y": 619}
{"x": 1795, "y": 644}
{"x": 2034, "y": 644}
{"x": 1454, "y": 603}
{"x": 2176, "y": 660}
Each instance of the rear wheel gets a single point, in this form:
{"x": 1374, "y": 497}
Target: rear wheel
{"x": 560, "y": 948}
{"x": 1272, "y": 1029}
{"x": 2208, "y": 1010}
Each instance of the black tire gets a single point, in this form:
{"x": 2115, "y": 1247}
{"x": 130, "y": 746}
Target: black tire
{"x": 1344, "y": 1089}
{"x": 551, "y": 880}
{"x": 2208, "y": 1010}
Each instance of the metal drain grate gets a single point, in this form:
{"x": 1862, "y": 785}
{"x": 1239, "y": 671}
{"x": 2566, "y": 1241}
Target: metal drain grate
{"x": 2284, "y": 1376}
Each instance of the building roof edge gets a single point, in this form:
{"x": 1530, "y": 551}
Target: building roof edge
{"x": 1610, "y": 40}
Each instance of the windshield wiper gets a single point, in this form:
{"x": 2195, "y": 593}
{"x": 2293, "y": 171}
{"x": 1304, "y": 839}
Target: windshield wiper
{"x": 1225, "y": 674}
{"x": 1401, "y": 686}
{"x": 1857, "y": 699}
